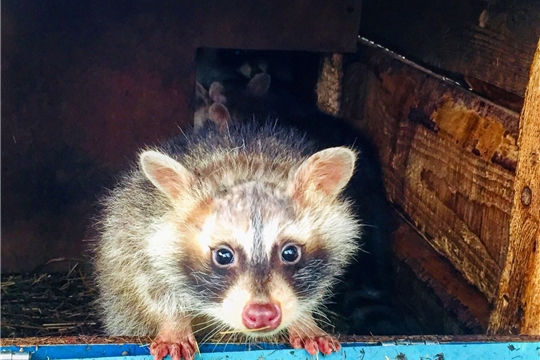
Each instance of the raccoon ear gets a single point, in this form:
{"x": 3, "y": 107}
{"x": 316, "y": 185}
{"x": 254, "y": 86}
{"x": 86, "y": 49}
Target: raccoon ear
{"x": 201, "y": 95}
{"x": 325, "y": 173}
{"x": 259, "y": 85}
{"x": 167, "y": 174}
{"x": 217, "y": 93}
{"x": 245, "y": 69}
{"x": 219, "y": 114}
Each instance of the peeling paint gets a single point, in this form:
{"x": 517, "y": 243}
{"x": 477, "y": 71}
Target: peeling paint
{"x": 361, "y": 351}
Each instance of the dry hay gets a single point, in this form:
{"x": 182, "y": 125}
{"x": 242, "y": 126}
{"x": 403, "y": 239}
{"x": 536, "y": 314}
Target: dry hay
{"x": 48, "y": 304}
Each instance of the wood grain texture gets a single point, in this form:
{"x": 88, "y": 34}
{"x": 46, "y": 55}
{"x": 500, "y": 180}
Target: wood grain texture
{"x": 461, "y": 298}
{"x": 517, "y": 309}
{"x": 448, "y": 159}
{"x": 487, "y": 44}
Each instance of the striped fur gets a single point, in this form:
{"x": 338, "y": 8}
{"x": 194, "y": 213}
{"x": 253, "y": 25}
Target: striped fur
{"x": 255, "y": 189}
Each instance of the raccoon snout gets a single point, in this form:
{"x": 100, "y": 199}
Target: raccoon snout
{"x": 261, "y": 316}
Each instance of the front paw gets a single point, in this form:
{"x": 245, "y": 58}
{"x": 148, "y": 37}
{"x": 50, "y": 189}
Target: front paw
{"x": 177, "y": 347}
{"x": 326, "y": 344}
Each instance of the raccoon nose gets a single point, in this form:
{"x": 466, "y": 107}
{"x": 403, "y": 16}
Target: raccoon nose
{"x": 261, "y": 316}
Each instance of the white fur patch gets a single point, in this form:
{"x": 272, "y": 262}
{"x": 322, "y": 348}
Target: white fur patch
{"x": 245, "y": 239}
{"x": 239, "y": 295}
{"x": 233, "y": 305}
{"x": 205, "y": 236}
{"x": 162, "y": 242}
{"x": 271, "y": 231}
{"x": 212, "y": 233}
{"x": 282, "y": 293}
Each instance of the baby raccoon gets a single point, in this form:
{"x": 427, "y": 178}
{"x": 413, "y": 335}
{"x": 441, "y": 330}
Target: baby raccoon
{"x": 246, "y": 228}
{"x": 363, "y": 297}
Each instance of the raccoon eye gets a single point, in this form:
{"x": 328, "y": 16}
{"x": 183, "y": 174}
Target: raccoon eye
{"x": 291, "y": 254}
{"x": 223, "y": 256}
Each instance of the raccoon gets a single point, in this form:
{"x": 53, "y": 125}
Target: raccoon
{"x": 246, "y": 228}
{"x": 364, "y": 297}
{"x": 213, "y": 104}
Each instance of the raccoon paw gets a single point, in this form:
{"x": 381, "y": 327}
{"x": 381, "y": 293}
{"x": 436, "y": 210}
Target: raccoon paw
{"x": 326, "y": 344}
{"x": 163, "y": 346}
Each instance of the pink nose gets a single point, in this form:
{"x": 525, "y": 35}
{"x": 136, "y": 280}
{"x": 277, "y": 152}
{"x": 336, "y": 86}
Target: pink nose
{"x": 261, "y": 316}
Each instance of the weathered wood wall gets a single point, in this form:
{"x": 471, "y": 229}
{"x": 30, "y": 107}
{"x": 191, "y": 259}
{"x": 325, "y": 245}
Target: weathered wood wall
{"x": 451, "y": 156}
{"x": 487, "y": 44}
{"x": 436, "y": 273}
{"x": 448, "y": 159}
{"x": 517, "y": 307}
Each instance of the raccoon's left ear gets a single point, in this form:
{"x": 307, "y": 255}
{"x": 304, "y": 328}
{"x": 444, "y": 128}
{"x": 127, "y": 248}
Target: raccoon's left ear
{"x": 167, "y": 174}
{"x": 324, "y": 173}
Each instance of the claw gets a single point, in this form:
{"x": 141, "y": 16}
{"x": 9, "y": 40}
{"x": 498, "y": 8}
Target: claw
{"x": 176, "y": 346}
{"x": 325, "y": 344}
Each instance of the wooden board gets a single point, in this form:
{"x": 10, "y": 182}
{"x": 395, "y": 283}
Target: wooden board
{"x": 517, "y": 309}
{"x": 499, "y": 351}
{"x": 448, "y": 159}
{"x": 487, "y": 44}
{"x": 314, "y": 25}
{"x": 374, "y": 340}
{"x": 457, "y": 296}
{"x": 420, "y": 347}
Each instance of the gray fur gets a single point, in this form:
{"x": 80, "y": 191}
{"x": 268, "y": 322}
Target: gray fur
{"x": 249, "y": 168}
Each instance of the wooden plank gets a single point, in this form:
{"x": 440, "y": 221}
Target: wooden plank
{"x": 500, "y": 351}
{"x": 457, "y": 295}
{"x": 314, "y": 25}
{"x": 487, "y": 44}
{"x": 448, "y": 159}
{"x": 393, "y": 350}
{"x": 517, "y": 309}
{"x": 127, "y": 341}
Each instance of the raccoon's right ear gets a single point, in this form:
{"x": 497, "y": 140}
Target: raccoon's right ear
{"x": 259, "y": 85}
{"x": 167, "y": 174}
{"x": 219, "y": 114}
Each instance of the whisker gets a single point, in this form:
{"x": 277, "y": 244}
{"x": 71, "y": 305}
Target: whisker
{"x": 243, "y": 331}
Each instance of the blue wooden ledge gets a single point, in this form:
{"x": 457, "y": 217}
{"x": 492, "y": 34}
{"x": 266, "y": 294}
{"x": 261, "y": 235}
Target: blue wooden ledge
{"x": 357, "y": 351}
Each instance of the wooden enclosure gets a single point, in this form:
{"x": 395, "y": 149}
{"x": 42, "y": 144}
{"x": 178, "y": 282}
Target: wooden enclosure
{"x": 458, "y": 140}
{"x": 450, "y": 98}
{"x": 450, "y": 161}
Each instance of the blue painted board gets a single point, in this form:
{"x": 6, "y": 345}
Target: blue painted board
{"x": 356, "y": 351}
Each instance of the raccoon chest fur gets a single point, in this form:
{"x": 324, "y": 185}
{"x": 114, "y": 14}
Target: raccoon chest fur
{"x": 246, "y": 227}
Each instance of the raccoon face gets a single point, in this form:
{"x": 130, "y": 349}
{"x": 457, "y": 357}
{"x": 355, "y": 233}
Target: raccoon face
{"x": 260, "y": 255}
{"x": 264, "y": 262}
